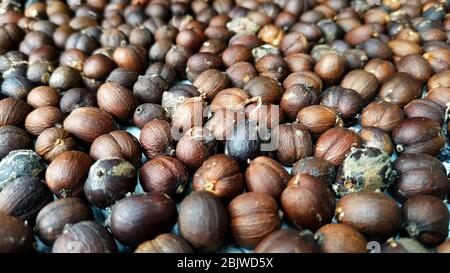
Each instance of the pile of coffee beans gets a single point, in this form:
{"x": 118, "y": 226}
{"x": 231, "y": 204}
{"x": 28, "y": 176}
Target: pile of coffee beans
{"x": 297, "y": 126}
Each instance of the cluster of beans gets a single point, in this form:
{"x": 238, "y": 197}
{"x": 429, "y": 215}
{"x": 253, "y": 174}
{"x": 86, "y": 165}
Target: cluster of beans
{"x": 209, "y": 83}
